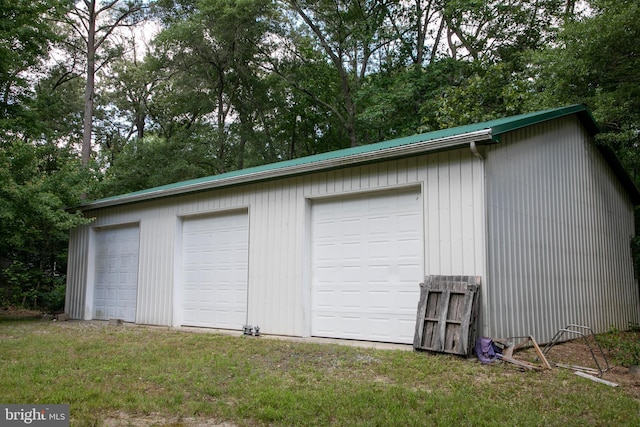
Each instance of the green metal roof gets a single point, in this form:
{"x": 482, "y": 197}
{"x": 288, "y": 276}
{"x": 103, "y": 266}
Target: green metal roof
{"x": 485, "y": 132}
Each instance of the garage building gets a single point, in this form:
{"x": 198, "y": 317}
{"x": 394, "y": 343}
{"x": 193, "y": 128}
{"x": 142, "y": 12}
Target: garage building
{"x": 336, "y": 244}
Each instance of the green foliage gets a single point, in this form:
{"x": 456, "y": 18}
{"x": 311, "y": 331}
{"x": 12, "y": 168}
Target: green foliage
{"x": 496, "y": 30}
{"x": 475, "y": 92}
{"x": 348, "y": 73}
{"x": 606, "y": 62}
{"x": 595, "y": 62}
{"x": 154, "y": 161}
{"x": 228, "y": 84}
{"x": 249, "y": 82}
{"x": 623, "y": 347}
{"x": 37, "y": 182}
{"x": 390, "y": 102}
{"x": 38, "y": 178}
{"x": 32, "y": 287}
{"x": 209, "y": 60}
{"x": 53, "y": 114}
{"x": 26, "y": 34}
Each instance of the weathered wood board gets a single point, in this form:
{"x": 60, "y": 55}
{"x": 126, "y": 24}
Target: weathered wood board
{"x": 447, "y": 313}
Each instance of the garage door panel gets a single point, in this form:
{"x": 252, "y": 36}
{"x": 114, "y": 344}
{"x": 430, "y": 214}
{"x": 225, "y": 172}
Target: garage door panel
{"x": 380, "y": 273}
{"x": 383, "y": 327}
{"x": 379, "y": 300}
{"x": 408, "y": 219}
{"x": 324, "y": 300}
{"x": 407, "y": 328}
{"x": 366, "y": 267}
{"x": 380, "y": 327}
{"x": 405, "y": 252}
{"x": 351, "y": 299}
{"x": 116, "y": 275}
{"x": 215, "y": 271}
{"x": 350, "y": 274}
{"x": 379, "y": 249}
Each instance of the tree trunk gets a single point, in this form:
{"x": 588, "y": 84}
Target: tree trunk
{"x": 140, "y": 121}
{"x": 422, "y": 28}
{"x": 349, "y": 104}
{"x": 222, "y": 136}
{"x": 434, "y": 50}
{"x": 90, "y": 85}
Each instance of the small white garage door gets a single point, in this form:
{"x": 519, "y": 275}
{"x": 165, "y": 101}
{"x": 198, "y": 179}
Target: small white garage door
{"x": 367, "y": 264}
{"x": 116, "y": 277}
{"x": 215, "y": 256}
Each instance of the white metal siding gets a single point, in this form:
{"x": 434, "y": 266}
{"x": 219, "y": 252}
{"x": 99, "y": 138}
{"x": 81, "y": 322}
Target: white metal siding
{"x": 559, "y": 229}
{"x": 279, "y": 270}
{"x": 77, "y": 265}
{"x": 157, "y": 251}
{"x": 557, "y": 226}
{"x": 214, "y": 265}
{"x": 366, "y": 261}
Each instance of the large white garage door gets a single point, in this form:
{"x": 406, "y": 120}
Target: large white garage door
{"x": 215, "y": 256}
{"x": 367, "y": 264}
{"x": 116, "y": 284}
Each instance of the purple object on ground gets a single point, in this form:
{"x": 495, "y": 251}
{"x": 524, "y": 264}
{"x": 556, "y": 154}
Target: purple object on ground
{"x": 486, "y": 349}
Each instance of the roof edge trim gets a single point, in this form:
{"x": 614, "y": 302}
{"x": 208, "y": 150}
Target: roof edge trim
{"x": 583, "y": 113}
{"x": 225, "y": 180}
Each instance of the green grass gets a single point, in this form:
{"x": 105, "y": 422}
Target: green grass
{"x": 623, "y": 346}
{"x": 101, "y": 370}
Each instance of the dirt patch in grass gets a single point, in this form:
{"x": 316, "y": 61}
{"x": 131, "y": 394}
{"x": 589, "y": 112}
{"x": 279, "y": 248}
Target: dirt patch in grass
{"x": 13, "y": 313}
{"x": 579, "y": 353}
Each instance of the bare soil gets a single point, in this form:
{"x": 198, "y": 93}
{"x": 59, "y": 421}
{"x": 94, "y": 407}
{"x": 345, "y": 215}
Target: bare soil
{"x": 587, "y": 354}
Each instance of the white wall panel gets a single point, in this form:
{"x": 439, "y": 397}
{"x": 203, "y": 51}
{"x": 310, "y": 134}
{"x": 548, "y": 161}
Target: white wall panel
{"x": 559, "y": 226}
{"x": 77, "y": 272}
{"x": 279, "y": 283}
{"x": 157, "y": 240}
{"x": 558, "y": 221}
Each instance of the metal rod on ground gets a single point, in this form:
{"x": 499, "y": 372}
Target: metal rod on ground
{"x": 596, "y": 379}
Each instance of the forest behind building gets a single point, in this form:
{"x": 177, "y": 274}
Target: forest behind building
{"x": 105, "y": 97}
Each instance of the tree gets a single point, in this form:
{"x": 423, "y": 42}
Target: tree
{"x": 209, "y": 59}
{"x": 55, "y": 112}
{"x": 122, "y": 108}
{"x": 95, "y": 22}
{"x": 420, "y": 30}
{"x": 604, "y": 51}
{"x": 153, "y": 161}
{"x": 595, "y": 62}
{"x": 26, "y": 34}
{"x": 36, "y": 183}
{"x": 493, "y": 30}
{"x": 492, "y": 44}
{"x": 350, "y": 34}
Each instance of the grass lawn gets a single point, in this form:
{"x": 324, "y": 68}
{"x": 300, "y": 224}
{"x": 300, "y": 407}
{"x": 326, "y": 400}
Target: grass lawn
{"x": 141, "y": 376}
